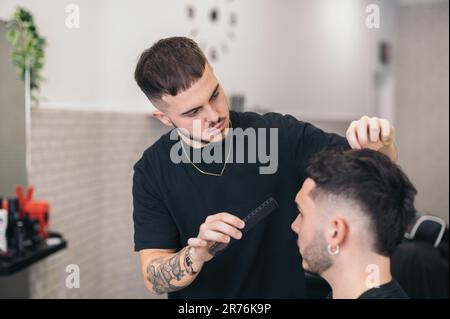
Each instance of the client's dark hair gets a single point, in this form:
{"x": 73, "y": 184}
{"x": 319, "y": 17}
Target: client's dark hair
{"x": 375, "y": 183}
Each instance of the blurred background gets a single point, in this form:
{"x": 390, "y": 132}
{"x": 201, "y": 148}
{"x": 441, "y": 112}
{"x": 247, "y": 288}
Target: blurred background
{"x": 76, "y": 138}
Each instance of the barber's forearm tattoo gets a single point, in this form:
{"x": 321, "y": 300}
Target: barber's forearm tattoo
{"x": 188, "y": 264}
{"x": 161, "y": 271}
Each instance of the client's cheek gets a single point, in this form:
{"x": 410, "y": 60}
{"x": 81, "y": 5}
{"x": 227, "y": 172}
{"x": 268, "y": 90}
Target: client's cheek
{"x": 302, "y": 242}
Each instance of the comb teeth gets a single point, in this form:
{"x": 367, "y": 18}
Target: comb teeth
{"x": 271, "y": 203}
{"x": 250, "y": 221}
{"x": 259, "y": 213}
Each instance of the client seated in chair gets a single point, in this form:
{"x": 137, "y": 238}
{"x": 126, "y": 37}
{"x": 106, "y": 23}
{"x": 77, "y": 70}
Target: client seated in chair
{"x": 354, "y": 208}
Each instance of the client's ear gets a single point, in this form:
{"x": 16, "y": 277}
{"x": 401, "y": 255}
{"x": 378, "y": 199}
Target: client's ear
{"x": 336, "y": 231}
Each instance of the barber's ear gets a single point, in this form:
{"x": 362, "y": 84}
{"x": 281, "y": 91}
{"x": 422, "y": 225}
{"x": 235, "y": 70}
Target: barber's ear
{"x": 337, "y": 231}
{"x": 162, "y": 117}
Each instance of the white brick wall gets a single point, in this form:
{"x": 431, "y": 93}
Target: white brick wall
{"x": 81, "y": 162}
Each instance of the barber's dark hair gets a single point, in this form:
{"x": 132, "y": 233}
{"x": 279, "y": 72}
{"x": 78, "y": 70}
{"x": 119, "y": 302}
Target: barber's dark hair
{"x": 170, "y": 66}
{"x": 375, "y": 183}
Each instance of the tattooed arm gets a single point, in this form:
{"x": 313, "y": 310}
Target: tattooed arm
{"x": 167, "y": 271}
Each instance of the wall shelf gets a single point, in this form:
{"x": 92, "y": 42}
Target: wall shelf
{"x": 11, "y": 265}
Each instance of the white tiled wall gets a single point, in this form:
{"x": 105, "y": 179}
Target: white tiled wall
{"x": 82, "y": 164}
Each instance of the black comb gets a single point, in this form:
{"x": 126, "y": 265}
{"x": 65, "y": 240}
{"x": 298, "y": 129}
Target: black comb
{"x": 250, "y": 221}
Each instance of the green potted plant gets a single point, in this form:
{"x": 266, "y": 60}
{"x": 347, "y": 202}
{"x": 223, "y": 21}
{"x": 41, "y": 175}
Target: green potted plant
{"x": 28, "y": 53}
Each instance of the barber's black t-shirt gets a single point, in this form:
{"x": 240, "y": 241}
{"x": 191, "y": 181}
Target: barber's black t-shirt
{"x": 171, "y": 200}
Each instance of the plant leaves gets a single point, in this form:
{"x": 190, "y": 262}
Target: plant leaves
{"x": 28, "y": 47}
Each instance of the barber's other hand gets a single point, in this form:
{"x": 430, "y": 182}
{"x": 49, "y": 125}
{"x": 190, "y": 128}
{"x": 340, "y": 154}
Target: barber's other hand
{"x": 370, "y": 132}
{"x": 216, "y": 228}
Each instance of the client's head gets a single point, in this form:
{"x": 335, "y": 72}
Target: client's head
{"x": 354, "y": 206}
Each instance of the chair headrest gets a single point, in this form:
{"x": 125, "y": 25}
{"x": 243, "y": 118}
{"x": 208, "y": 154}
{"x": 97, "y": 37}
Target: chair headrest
{"x": 428, "y": 228}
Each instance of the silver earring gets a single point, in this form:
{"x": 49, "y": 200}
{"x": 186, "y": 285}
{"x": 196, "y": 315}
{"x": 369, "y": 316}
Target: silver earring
{"x": 331, "y": 252}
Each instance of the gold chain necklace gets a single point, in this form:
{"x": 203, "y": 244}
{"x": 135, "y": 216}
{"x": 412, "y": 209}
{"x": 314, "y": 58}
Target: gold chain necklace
{"x": 226, "y": 160}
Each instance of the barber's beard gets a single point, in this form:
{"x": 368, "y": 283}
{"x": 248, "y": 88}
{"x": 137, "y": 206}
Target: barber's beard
{"x": 316, "y": 256}
{"x": 197, "y": 139}
{"x": 192, "y": 138}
